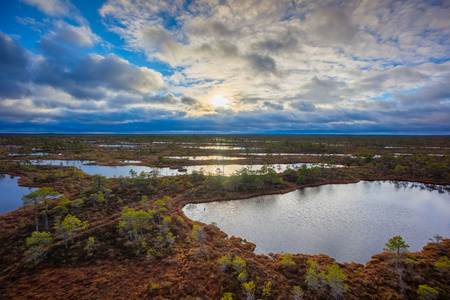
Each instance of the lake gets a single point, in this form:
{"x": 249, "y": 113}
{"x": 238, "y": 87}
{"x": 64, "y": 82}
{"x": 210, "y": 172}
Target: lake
{"x": 349, "y": 222}
{"x": 11, "y": 193}
{"x": 116, "y": 171}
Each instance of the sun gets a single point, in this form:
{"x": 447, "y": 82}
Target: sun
{"x": 220, "y": 101}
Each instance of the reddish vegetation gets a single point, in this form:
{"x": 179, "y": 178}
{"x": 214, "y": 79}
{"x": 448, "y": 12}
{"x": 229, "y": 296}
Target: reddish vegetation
{"x": 114, "y": 271}
{"x": 117, "y": 267}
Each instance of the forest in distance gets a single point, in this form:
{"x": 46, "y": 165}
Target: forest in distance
{"x": 83, "y": 236}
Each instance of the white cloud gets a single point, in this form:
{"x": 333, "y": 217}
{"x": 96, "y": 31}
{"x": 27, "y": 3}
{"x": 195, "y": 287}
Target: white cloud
{"x": 81, "y": 36}
{"x": 336, "y": 58}
{"x": 52, "y": 7}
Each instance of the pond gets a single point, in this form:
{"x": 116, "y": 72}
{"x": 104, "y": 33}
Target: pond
{"x": 116, "y": 171}
{"x": 11, "y": 193}
{"x": 207, "y": 157}
{"x": 349, "y": 222}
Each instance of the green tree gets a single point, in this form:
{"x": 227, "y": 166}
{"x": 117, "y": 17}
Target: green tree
{"x": 287, "y": 261}
{"x": 242, "y": 277}
{"x": 397, "y": 246}
{"x": 90, "y": 244}
{"x": 224, "y": 262}
{"x": 99, "y": 183}
{"x": 198, "y": 233}
{"x": 312, "y": 275}
{"x": 97, "y": 198}
{"x": 69, "y": 226}
{"x": 43, "y": 196}
{"x": 298, "y": 293}
{"x": 443, "y": 263}
{"x": 78, "y": 204}
{"x": 249, "y": 290}
{"x": 426, "y": 292}
{"x": 134, "y": 222}
{"x": 227, "y": 296}
{"x": 38, "y": 244}
{"x": 266, "y": 290}
{"x": 159, "y": 206}
{"x": 61, "y": 208}
{"x": 335, "y": 279}
{"x": 239, "y": 264}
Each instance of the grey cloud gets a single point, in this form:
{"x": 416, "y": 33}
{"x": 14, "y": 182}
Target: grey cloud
{"x": 434, "y": 93}
{"x": 14, "y": 73}
{"x": 331, "y": 25}
{"x": 116, "y": 73}
{"x": 226, "y": 48}
{"x": 273, "y": 106}
{"x": 192, "y": 104}
{"x": 285, "y": 41}
{"x": 90, "y": 77}
{"x": 168, "y": 98}
{"x": 188, "y": 100}
{"x": 80, "y": 36}
{"x": 262, "y": 63}
{"x": 383, "y": 105}
{"x": 322, "y": 90}
{"x": 391, "y": 81}
{"x": 210, "y": 27}
{"x": 304, "y": 106}
{"x": 158, "y": 38}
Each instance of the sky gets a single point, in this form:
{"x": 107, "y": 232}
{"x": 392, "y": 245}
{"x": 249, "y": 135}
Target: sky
{"x": 225, "y": 67}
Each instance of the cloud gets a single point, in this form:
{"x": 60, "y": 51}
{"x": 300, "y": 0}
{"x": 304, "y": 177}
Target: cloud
{"x": 304, "y": 106}
{"x": 436, "y": 93}
{"x": 51, "y": 7}
{"x": 116, "y": 73}
{"x": 14, "y": 73}
{"x": 273, "y": 106}
{"x": 159, "y": 43}
{"x": 262, "y": 64}
{"x": 324, "y": 65}
{"x": 331, "y": 25}
{"x": 80, "y": 36}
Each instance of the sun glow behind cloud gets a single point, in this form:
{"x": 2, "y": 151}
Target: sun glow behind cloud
{"x": 219, "y": 101}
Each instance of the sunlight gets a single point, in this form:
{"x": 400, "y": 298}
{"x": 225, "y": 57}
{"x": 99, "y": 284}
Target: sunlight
{"x": 220, "y": 101}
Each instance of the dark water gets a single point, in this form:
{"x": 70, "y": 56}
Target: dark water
{"x": 11, "y": 193}
{"x": 349, "y": 222}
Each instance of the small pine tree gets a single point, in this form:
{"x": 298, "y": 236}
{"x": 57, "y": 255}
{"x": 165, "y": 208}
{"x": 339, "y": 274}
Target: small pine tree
{"x": 312, "y": 275}
{"x": 287, "y": 261}
{"x": 335, "y": 279}
{"x": 38, "y": 244}
{"x": 396, "y": 246}
{"x": 242, "y": 277}
{"x": 69, "y": 226}
{"x": 90, "y": 244}
{"x": 443, "y": 264}
{"x": 224, "y": 262}
{"x": 198, "y": 233}
{"x": 239, "y": 264}
{"x": 267, "y": 290}
{"x": 249, "y": 290}
{"x": 426, "y": 292}
{"x": 298, "y": 293}
{"x": 227, "y": 296}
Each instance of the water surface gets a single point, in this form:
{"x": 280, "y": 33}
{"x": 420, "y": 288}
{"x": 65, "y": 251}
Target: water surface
{"x": 11, "y": 193}
{"x": 116, "y": 171}
{"x": 349, "y": 222}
